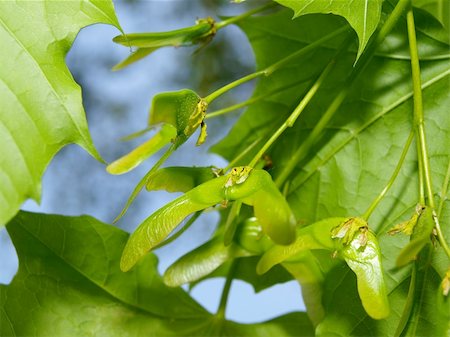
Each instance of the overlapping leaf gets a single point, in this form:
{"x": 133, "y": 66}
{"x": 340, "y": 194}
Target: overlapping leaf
{"x": 440, "y": 9}
{"x": 354, "y": 158}
{"x": 362, "y": 15}
{"x": 70, "y": 286}
{"x": 40, "y": 103}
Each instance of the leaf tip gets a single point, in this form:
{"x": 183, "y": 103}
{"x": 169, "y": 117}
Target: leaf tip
{"x": 262, "y": 267}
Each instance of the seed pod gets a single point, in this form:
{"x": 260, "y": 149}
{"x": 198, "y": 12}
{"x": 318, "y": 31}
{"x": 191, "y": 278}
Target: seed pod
{"x": 201, "y": 262}
{"x": 202, "y": 32}
{"x": 252, "y": 187}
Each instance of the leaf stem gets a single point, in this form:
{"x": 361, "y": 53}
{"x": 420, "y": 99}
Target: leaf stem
{"x": 234, "y": 19}
{"x": 300, "y": 107}
{"x": 144, "y": 180}
{"x": 421, "y": 179}
{"x": 274, "y": 67}
{"x": 408, "y": 305}
{"x": 226, "y": 290}
{"x": 419, "y": 122}
{"x": 305, "y": 147}
{"x": 252, "y": 100}
{"x": 231, "y": 223}
{"x": 444, "y": 191}
{"x": 391, "y": 181}
{"x": 242, "y": 154}
{"x": 418, "y": 105}
{"x": 211, "y": 97}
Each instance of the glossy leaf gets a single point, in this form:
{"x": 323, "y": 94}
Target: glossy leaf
{"x": 440, "y": 9}
{"x": 255, "y": 188}
{"x": 363, "y": 16}
{"x": 179, "y": 179}
{"x": 61, "y": 243}
{"x": 67, "y": 285}
{"x": 128, "y": 162}
{"x": 40, "y": 103}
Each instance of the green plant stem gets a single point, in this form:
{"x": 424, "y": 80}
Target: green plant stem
{"x": 418, "y": 105}
{"x": 211, "y": 97}
{"x": 231, "y": 223}
{"x": 226, "y": 290}
{"x": 409, "y": 303}
{"x": 144, "y": 180}
{"x": 312, "y": 138}
{"x": 252, "y": 100}
{"x": 274, "y": 67}
{"x": 421, "y": 179}
{"x": 419, "y": 121}
{"x": 391, "y": 181}
{"x": 444, "y": 191}
{"x": 300, "y": 107}
{"x": 234, "y": 19}
{"x": 242, "y": 154}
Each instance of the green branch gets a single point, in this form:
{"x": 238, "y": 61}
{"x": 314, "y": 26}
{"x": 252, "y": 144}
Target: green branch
{"x": 226, "y": 290}
{"x": 424, "y": 163}
{"x": 301, "y": 106}
{"x": 418, "y": 106}
{"x": 274, "y": 67}
{"x": 389, "y": 184}
{"x": 255, "y": 99}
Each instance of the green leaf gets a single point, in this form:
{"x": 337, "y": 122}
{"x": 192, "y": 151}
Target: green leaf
{"x": 253, "y": 187}
{"x": 69, "y": 286}
{"x": 63, "y": 241}
{"x": 40, "y": 103}
{"x": 440, "y": 9}
{"x": 363, "y": 16}
{"x": 356, "y": 154}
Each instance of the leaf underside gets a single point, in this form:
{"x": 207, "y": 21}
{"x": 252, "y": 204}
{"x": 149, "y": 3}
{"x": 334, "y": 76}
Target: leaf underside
{"x": 363, "y": 16}
{"x": 40, "y": 103}
{"x": 69, "y": 286}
